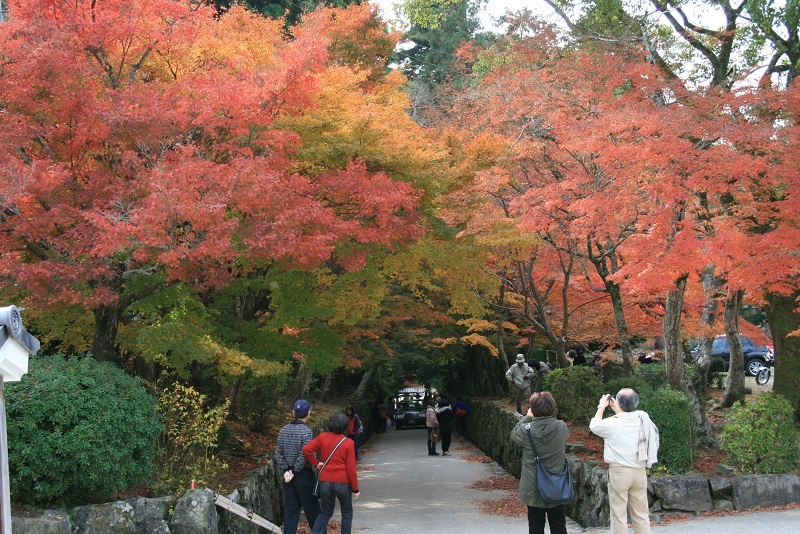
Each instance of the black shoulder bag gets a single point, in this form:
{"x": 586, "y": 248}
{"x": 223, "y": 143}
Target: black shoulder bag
{"x": 555, "y": 488}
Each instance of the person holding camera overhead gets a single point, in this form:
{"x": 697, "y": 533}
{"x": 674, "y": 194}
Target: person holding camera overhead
{"x": 519, "y": 375}
{"x": 550, "y": 436}
{"x": 631, "y": 445}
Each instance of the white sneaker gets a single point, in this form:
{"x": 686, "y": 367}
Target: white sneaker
{"x": 446, "y": 453}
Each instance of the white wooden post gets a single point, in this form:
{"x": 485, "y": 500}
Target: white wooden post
{"x": 5, "y": 502}
{"x": 16, "y": 345}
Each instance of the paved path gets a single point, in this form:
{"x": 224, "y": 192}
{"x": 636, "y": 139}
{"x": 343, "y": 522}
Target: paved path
{"x": 406, "y": 491}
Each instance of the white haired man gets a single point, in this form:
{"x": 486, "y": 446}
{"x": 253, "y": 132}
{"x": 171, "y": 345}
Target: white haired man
{"x": 631, "y": 445}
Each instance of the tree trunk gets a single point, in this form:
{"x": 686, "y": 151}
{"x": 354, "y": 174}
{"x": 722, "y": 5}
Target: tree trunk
{"x": 708, "y": 319}
{"x": 106, "y": 324}
{"x": 784, "y": 319}
{"x": 501, "y": 319}
{"x": 326, "y": 387}
{"x": 366, "y": 381}
{"x": 622, "y": 327}
{"x": 676, "y": 372}
{"x": 734, "y": 386}
{"x": 302, "y": 380}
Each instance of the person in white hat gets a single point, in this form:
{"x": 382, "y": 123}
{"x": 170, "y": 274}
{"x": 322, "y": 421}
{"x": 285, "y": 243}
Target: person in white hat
{"x": 518, "y": 375}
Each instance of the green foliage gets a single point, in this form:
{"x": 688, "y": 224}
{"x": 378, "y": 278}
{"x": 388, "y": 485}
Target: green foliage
{"x": 671, "y": 411}
{"x": 638, "y": 384}
{"x": 257, "y": 401}
{"x": 576, "y": 391}
{"x": 654, "y": 374}
{"x": 716, "y": 373}
{"x": 78, "y": 430}
{"x": 191, "y": 429}
{"x": 760, "y": 436}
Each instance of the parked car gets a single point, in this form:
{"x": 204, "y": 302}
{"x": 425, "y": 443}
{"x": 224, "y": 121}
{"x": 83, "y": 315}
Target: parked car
{"x": 754, "y": 355}
{"x": 409, "y": 412}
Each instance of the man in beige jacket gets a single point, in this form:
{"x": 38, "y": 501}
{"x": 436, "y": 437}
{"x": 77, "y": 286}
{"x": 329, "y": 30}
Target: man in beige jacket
{"x": 631, "y": 445}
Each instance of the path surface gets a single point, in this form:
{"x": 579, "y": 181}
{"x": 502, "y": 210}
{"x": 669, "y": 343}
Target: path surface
{"x": 405, "y": 490}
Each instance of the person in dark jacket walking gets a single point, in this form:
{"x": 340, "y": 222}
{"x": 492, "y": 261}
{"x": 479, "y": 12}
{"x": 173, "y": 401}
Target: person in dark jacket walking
{"x": 354, "y": 426}
{"x": 550, "y": 437}
{"x": 444, "y": 415}
{"x": 298, "y": 478}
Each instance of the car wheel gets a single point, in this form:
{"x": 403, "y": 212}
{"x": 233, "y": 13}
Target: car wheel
{"x": 398, "y": 426}
{"x": 753, "y": 365}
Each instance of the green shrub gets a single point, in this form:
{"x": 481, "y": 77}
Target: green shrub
{"x": 655, "y": 374}
{"x": 716, "y": 373}
{"x": 760, "y": 436}
{"x": 78, "y": 430}
{"x": 612, "y": 370}
{"x": 576, "y": 391}
{"x": 190, "y": 438}
{"x": 641, "y": 386}
{"x": 672, "y": 413}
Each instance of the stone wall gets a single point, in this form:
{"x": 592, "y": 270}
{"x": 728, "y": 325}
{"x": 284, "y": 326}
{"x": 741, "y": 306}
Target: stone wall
{"x": 192, "y": 513}
{"x": 489, "y": 428}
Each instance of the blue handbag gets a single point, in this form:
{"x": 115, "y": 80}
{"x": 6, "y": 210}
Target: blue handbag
{"x": 555, "y": 488}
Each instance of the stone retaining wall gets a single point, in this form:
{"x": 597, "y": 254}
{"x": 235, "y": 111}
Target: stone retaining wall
{"x": 194, "y": 512}
{"x": 489, "y": 428}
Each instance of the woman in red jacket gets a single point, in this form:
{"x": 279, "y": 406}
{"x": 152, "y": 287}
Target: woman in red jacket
{"x": 335, "y": 456}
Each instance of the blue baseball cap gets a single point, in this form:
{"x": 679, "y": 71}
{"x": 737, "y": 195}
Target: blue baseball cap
{"x": 302, "y": 405}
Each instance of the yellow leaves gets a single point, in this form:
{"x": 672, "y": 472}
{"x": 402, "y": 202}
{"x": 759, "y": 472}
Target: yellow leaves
{"x": 481, "y": 341}
{"x": 482, "y": 325}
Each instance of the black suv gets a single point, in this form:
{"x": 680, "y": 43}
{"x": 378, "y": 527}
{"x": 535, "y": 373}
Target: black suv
{"x": 409, "y": 412}
{"x": 754, "y": 356}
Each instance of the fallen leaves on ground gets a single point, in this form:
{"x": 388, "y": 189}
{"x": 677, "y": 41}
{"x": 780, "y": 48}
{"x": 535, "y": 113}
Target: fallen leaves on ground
{"x": 365, "y": 468}
{"x": 507, "y": 506}
{"x": 674, "y": 518}
{"x": 477, "y": 458}
{"x": 496, "y": 483}
{"x": 464, "y": 448}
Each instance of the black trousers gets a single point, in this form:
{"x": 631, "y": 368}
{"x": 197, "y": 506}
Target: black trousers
{"x": 298, "y": 494}
{"x": 555, "y": 516}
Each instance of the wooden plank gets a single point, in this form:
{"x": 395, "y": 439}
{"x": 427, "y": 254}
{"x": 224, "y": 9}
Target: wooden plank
{"x": 241, "y": 511}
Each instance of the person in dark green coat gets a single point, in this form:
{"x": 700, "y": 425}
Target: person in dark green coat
{"x": 550, "y": 437}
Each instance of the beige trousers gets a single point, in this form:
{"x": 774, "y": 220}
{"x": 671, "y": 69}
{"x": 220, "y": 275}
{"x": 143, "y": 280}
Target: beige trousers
{"x": 627, "y": 492}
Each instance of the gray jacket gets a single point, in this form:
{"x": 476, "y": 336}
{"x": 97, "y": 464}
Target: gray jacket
{"x": 550, "y": 437}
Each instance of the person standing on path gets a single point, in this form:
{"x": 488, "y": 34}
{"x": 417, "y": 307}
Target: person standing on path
{"x": 550, "y": 437}
{"x": 631, "y": 445}
{"x": 519, "y": 375}
{"x": 462, "y": 411}
{"x": 298, "y": 478}
{"x": 354, "y": 426}
{"x": 541, "y": 369}
{"x": 430, "y": 423}
{"x": 444, "y": 416}
{"x": 334, "y": 454}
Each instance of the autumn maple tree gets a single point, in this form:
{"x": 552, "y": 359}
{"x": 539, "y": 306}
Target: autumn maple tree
{"x": 143, "y": 149}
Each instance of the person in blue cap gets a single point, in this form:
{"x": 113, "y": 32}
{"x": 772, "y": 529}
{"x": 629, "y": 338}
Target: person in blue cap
{"x": 298, "y": 477}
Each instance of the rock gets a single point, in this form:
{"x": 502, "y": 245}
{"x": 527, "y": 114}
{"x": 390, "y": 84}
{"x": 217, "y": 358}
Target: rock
{"x": 691, "y": 494}
{"x": 720, "y": 487}
{"x": 725, "y": 470}
{"x": 750, "y": 491}
{"x": 117, "y": 517}
{"x": 195, "y": 513}
{"x": 50, "y": 522}
{"x": 154, "y": 526}
{"x": 723, "y": 504}
{"x": 152, "y": 509}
